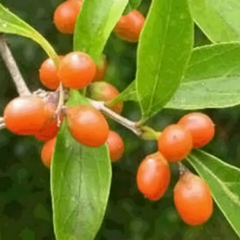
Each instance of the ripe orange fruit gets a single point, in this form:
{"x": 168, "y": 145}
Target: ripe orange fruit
{"x": 102, "y": 91}
{"x": 153, "y": 176}
{"x": 47, "y": 152}
{"x": 101, "y": 69}
{"x": 87, "y": 125}
{"x": 65, "y": 16}
{"x": 193, "y": 200}
{"x": 130, "y": 26}
{"x": 115, "y": 145}
{"x": 200, "y": 126}
{"x": 48, "y": 74}
{"x": 175, "y": 143}
{"x": 26, "y": 115}
{"x": 76, "y": 70}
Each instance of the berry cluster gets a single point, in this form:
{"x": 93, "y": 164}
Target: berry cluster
{"x": 31, "y": 115}
{"x": 192, "y": 196}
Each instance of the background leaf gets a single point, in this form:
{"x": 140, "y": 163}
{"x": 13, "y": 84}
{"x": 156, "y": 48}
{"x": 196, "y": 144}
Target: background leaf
{"x": 80, "y": 179}
{"x": 10, "y": 23}
{"x": 217, "y": 19}
{"x": 134, "y": 3}
{"x": 163, "y": 53}
{"x": 212, "y": 79}
{"x": 223, "y": 180}
{"x": 95, "y": 23}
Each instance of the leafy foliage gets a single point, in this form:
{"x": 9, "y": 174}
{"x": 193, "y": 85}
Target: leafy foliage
{"x": 10, "y": 23}
{"x": 162, "y": 60}
{"x": 217, "y": 19}
{"x": 212, "y": 76}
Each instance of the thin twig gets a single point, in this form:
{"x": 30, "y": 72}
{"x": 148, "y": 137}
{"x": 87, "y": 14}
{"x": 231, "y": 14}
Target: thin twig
{"x": 121, "y": 120}
{"x": 12, "y": 67}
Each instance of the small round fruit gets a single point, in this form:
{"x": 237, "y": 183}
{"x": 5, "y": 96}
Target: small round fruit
{"x": 47, "y": 152}
{"x": 153, "y": 176}
{"x": 193, "y": 200}
{"x": 76, "y": 70}
{"x": 26, "y": 115}
{"x": 101, "y": 70}
{"x": 103, "y": 91}
{"x": 200, "y": 126}
{"x": 65, "y": 16}
{"x": 115, "y": 145}
{"x": 130, "y": 26}
{"x": 87, "y": 125}
{"x": 48, "y": 74}
{"x": 51, "y": 129}
{"x": 175, "y": 143}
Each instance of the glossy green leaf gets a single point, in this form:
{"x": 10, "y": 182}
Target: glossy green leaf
{"x": 163, "y": 53}
{"x": 10, "y": 23}
{"x": 223, "y": 180}
{"x": 80, "y": 178}
{"x": 95, "y": 23}
{"x": 212, "y": 79}
{"x": 218, "y": 19}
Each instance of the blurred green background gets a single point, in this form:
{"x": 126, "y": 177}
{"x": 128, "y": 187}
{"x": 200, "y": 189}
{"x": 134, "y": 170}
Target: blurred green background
{"x": 25, "y": 204}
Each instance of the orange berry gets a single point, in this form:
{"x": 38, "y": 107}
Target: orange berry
{"x": 200, "y": 126}
{"x": 101, "y": 70}
{"x": 130, "y": 26}
{"x": 115, "y": 145}
{"x": 175, "y": 143}
{"x": 48, "y": 74}
{"x": 193, "y": 200}
{"x": 102, "y": 91}
{"x": 47, "y": 152}
{"x": 153, "y": 176}
{"x": 65, "y": 16}
{"x": 26, "y": 115}
{"x": 87, "y": 125}
{"x": 76, "y": 70}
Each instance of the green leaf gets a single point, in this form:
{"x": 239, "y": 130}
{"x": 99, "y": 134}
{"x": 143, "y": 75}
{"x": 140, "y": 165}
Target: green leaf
{"x": 163, "y": 53}
{"x": 80, "y": 178}
{"x": 95, "y": 23}
{"x": 128, "y": 94}
{"x": 10, "y": 23}
{"x": 219, "y": 20}
{"x": 223, "y": 180}
{"x": 212, "y": 79}
{"x": 134, "y": 3}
